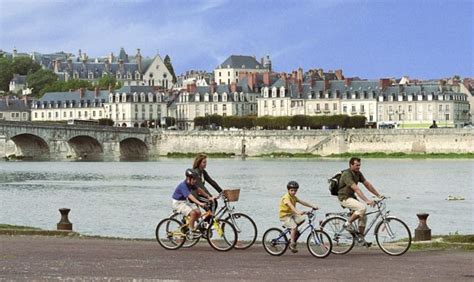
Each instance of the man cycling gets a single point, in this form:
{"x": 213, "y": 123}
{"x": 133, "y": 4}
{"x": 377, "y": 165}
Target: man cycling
{"x": 347, "y": 195}
{"x": 182, "y": 197}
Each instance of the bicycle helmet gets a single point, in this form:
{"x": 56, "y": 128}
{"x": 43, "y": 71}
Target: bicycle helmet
{"x": 292, "y": 185}
{"x": 191, "y": 173}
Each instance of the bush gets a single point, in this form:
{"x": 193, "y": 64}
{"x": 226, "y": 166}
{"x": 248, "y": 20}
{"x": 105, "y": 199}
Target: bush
{"x": 106, "y": 121}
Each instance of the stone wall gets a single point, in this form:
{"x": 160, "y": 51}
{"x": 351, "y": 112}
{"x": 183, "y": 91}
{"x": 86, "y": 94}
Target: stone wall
{"x": 320, "y": 142}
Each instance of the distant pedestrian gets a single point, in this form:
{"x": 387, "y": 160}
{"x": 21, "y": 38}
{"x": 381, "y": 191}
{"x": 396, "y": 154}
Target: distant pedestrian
{"x": 434, "y": 125}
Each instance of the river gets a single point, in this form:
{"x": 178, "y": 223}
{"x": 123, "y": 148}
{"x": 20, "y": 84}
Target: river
{"x": 127, "y": 199}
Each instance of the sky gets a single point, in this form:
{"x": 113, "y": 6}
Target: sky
{"x": 368, "y": 39}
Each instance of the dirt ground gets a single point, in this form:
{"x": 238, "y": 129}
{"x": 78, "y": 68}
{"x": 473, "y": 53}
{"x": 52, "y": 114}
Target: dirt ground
{"x": 76, "y": 259}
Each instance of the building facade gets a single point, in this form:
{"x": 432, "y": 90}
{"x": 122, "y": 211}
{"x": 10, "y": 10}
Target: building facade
{"x": 14, "y": 109}
{"x": 236, "y": 65}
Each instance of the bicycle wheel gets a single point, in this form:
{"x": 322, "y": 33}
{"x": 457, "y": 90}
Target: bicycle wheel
{"x": 342, "y": 240}
{"x": 169, "y": 234}
{"x": 246, "y": 230}
{"x": 319, "y": 244}
{"x": 275, "y": 242}
{"x": 221, "y": 235}
{"x": 393, "y": 236}
{"x": 189, "y": 241}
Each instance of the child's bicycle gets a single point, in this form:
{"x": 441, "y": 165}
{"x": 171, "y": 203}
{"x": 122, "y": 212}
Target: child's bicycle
{"x": 392, "y": 234}
{"x": 275, "y": 241}
{"x": 244, "y": 224}
{"x": 172, "y": 234}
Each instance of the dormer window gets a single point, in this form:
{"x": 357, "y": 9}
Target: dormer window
{"x": 215, "y": 98}
{"x": 206, "y": 97}
{"x": 90, "y": 75}
{"x": 124, "y": 97}
{"x": 282, "y": 92}
{"x": 196, "y": 97}
{"x": 150, "y": 97}
{"x": 142, "y": 97}
{"x": 137, "y": 76}
{"x": 224, "y": 97}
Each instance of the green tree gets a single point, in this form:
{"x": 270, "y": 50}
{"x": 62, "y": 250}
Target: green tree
{"x": 40, "y": 79}
{"x": 168, "y": 64}
{"x": 107, "y": 80}
{"x": 24, "y": 66}
{"x": 6, "y": 73}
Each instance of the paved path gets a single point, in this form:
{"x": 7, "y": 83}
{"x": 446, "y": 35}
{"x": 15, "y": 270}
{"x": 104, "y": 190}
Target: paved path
{"x": 56, "y": 258}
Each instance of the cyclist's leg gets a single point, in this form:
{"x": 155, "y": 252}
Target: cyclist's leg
{"x": 290, "y": 222}
{"x": 185, "y": 208}
{"x": 357, "y": 207}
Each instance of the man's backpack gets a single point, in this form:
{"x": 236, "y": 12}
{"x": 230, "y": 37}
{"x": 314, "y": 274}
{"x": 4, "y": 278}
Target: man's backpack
{"x": 334, "y": 183}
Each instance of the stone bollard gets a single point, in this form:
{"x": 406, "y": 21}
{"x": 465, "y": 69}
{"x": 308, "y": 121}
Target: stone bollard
{"x": 64, "y": 223}
{"x": 422, "y": 232}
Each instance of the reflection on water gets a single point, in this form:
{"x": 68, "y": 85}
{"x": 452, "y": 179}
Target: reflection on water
{"x": 127, "y": 199}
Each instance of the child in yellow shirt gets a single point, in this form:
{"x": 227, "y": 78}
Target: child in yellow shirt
{"x": 289, "y": 215}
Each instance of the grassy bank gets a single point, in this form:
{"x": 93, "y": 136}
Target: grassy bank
{"x": 446, "y": 242}
{"x": 375, "y": 155}
{"x": 193, "y": 155}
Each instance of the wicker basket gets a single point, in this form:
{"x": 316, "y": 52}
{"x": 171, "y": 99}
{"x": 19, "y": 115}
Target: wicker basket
{"x": 232, "y": 195}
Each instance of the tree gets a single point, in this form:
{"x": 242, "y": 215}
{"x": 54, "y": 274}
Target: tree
{"x": 6, "y": 73}
{"x": 168, "y": 64}
{"x": 107, "y": 80}
{"x": 40, "y": 79}
{"x": 24, "y": 66}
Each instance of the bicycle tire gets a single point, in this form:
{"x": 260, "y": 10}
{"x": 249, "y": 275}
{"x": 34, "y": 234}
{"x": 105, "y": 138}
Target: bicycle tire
{"x": 189, "y": 241}
{"x": 169, "y": 234}
{"x": 393, "y": 236}
{"x": 274, "y": 242}
{"x": 319, "y": 244}
{"x": 341, "y": 239}
{"x": 221, "y": 235}
{"x": 246, "y": 230}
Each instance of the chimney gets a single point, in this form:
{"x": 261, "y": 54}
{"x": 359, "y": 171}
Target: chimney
{"x": 347, "y": 81}
{"x": 300, "y": 74}
{"x": 327, "y": 85}
{"x": 82, "y": 92}
{"x": 138, "y": 58}
{"x": 79, "y": 54}
{"x": 122, "y": 68}
{"x": 266, "y": 78}
{"x": 233, "y": 87}
{"x": 321, "y": 73}
{"x": 213, "y": 87}
{"x": 313, "y": 80}
{"x": 111, "y": 57}
{"x": 25, "y": 100}
{"x": 97, "y": 92}
{"x": 339, "y": 75}
{"x": 384, "y": 83}
{"x": 110, "y": 88}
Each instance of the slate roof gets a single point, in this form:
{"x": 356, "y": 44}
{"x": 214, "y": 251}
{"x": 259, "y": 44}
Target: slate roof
{"x": 241, "y": 62}
{"x": 13, "y": 106}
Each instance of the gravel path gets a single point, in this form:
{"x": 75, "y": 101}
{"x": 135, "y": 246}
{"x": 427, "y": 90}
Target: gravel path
{"x": 75, "y": 259}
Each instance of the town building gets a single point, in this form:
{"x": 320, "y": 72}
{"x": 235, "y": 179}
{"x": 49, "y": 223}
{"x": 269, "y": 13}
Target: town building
{"x": 14, "y": 109}
{"x": 229, "y": 71}
{"x": 200, "y": 78}
{"x": 236, "y": 99}
{"x": 18, "y": 84}
{"x": 134, "y": 106}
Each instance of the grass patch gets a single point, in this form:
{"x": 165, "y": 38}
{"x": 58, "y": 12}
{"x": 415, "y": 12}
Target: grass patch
{"x": 288, "y": 155}
{"x": 446, "y": 242}
{"x": 193, "y": 155}
{"x": 17, "y": 227}
{"x": 400, "y": 155}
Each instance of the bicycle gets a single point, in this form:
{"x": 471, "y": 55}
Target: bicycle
{"x": 391, "y": 233}
{"x": 275, "y": 241}
{"x": 244, "y": 224}
{"x": 172, "y": 234}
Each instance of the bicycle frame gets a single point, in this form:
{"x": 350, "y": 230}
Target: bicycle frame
{"x": 309, "y": 225}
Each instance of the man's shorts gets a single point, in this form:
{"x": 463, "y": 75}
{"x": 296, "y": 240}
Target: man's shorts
{"x": 183, "y": 207}
{"x": 359, "y": 208}
{"x": 292, "y": 221}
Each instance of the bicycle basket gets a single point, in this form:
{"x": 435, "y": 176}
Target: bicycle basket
{"x": 232, "y": 195}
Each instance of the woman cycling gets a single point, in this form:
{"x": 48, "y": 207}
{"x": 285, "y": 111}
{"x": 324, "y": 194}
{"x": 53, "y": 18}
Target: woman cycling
{"x": 200, "y": 163}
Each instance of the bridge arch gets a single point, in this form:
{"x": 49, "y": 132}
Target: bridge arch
{"x": 29, "y": 146}
{"x": 85, "y": 148}
{"x": 133, "y": 149}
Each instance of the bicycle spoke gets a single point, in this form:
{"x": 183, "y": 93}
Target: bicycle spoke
{"x": 393, "y": 236}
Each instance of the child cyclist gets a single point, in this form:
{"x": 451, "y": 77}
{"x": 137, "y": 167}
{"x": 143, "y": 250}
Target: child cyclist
{"x": 289, "y": 215}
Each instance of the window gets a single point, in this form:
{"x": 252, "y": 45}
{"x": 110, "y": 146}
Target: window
{"x": 49, "y": 114}
{"x": 70, "y": 114}
{"x": 334, "y": 107}
{"x": 264, "y": 104}
{"x": 224, "y": 107}
{"x": 326, "y": 107}
{"x": 344, "y": 108}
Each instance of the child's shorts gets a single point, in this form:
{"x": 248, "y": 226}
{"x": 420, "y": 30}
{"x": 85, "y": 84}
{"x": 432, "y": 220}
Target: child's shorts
{"x": 292, "y": 221}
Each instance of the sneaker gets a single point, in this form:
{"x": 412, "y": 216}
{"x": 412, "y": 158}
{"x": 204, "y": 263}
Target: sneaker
{"x": 293, "y": 248}
{"x": 194, "y": 234}
{"x": 364, "y": 243}
{"x": 349, "y": 227}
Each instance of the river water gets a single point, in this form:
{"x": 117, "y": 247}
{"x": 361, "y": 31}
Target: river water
{"x": 127, "y": 199}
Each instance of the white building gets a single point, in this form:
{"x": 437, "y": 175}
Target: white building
{"x": 235, "y": 65}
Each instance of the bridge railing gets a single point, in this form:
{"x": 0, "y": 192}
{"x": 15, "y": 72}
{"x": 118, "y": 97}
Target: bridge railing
{"x": 74, "y": 126}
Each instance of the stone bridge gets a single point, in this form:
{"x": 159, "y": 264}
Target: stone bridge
{"x": 44, "y": 141}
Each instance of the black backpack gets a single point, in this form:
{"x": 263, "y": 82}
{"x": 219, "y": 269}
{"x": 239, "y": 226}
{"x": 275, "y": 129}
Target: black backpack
{"x": 334, "y": 183}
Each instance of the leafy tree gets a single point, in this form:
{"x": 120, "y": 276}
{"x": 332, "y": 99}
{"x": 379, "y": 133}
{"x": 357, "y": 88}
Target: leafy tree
{"x": 106, "y": 121}
{"x": 168, "y": 64}
{"x": 40, "y": 79}
{"x": 24, "y": 66}
{"x": 107, "y": 80}
{"x": 6, "y": 73}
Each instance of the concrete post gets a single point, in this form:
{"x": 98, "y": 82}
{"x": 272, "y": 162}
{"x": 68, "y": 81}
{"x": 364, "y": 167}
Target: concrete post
{"x": 422, "y": 232}
{"x": 64, "y": 223}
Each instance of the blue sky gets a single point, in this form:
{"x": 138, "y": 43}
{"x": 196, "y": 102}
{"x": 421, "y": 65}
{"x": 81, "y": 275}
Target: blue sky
{"x": 369, "y": 39}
